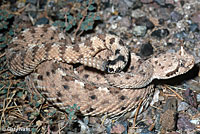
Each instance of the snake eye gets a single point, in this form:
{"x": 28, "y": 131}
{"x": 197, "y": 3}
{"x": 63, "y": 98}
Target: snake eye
{"x": 182, "y": 64}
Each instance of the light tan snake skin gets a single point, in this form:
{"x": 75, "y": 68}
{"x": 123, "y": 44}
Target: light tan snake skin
{"x": 112, "y": 83}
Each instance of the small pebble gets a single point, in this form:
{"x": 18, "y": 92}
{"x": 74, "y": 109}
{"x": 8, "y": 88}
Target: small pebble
{"x": 175, "y": 16}
{"x": 195, "y": 121}
{"x": 171, "y": 104}
{"x": 194, "y": 27}
{"x": 146, "y": 131}
{"x": 114, "y": 26}
{"x": 170, "y": 43}
{"x": 128, "y": 2}
{"x": 84, "y": 127}
{"x": 139, "y": 31}
{"x": 31, "y": 1}
{"x": 143, "y": 21}
{"x": 181, "y": 35}
{"x": 196, "y": 17}
{"x": 42, "y": 21}
{"x": 160, "y": 2}
{"x": 136, "y": 4}
{"x": 125, "y": 22}
{"x": 198, "y": 97}
{"x": 164, "y": 13}
{"x": 86, "y": 120}
{"x": 160, "y": 33}
{"x": 118, "y": 129}
{"x": 33, "y": 14}
{"x": 182, "y": 2}
{"x": 184, "y": 123}
{"x": 31, "y": 8}
{"x": 146, "y": 1}
{"x": 183, "y": 106}
{"x": 190, "y": 97}
{"x": 20, "y": 4}
{"x": 168, "y": 119}
{"x": 122, "y": 8}
{"x": 169, "y": 2}
{"x": 137, "y": 13}
{"x": 161, "y": 21}
{"x": 51, "y": 4}
{"x": 146, "y": 50}
{"x": 172, "y": 25}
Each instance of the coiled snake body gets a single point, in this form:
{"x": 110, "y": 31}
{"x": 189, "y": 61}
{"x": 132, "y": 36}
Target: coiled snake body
{"x": 43, "y": 56}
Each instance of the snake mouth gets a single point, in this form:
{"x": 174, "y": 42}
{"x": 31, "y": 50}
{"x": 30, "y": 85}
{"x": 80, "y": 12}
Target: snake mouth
{"x": 114, "y": 68}
{"x": 116, "y": 65}
{"x": 107, "y": 68}
{"x": 111, "y": 70}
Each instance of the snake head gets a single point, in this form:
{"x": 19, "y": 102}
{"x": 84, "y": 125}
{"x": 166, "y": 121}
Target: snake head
{"x": 172, "y": 64}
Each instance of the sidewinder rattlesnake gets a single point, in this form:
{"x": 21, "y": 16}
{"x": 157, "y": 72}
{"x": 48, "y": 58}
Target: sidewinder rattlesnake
{"x": 113, "y": 83}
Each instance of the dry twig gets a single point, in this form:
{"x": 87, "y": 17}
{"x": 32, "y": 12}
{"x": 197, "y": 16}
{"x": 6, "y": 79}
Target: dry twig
{"x": 166, "y": 86}
{"x": 81, "y": 21}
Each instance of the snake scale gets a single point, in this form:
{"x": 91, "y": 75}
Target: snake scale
{"x": 100, "y": 75}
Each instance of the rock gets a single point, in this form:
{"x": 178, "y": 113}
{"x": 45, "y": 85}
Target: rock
{"x": 139, "y": 31}
{"x": 122, "y": 6}
{"x": 125, "y": 22}
{"x": 146, "y": 50}
{"x": 114, "y": 25}
{"x": 170, "y": 104}
{"x": 137, "y": 13}
{"x": 160, "y": 2}
{"x": 198, "y": 97}
{"x": 190, "y": 97}
{"x": 181, "y": 35}
{"x": 164, "y": 13}
{"x": 146, "y": 1}
{"x": 42, "y": 21}
{"x": 170, "y": 2}
{"x": 183, "y": 106}
{"x": 118, "y": 129}
{"x": 176, "y": 16}
{"x": 184, "y": 123}
{"x": 20, "y": 4}
{"x": 194, "y": 27}
{"x": 143, "y": 21}
{"x": 136, "y": 4}
{"x": 173, "y": 132}
{"x": 160, "y": 33}
{"x": 196, "y": 18}
{"x": 31, "y": 8}
{"x": 34, "y": 2}
{"x": 146, "y": 131}
{"x": 161, "y": 21}
{"x": 168, "y": 119}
